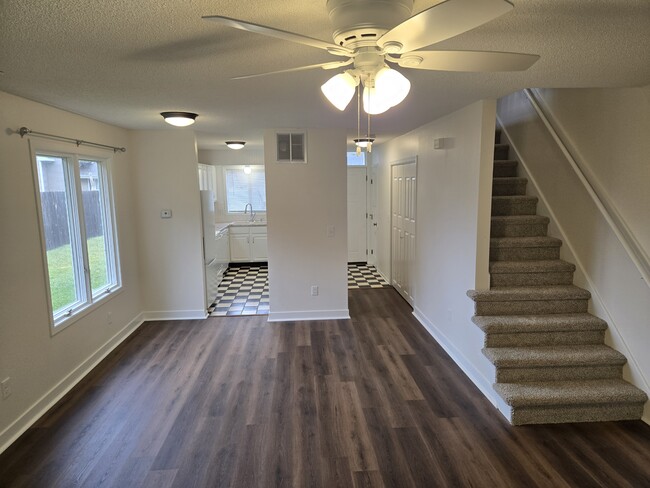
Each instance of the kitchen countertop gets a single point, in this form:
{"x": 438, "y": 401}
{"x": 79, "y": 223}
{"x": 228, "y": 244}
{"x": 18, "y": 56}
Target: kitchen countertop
{"x": 220, "y": 226}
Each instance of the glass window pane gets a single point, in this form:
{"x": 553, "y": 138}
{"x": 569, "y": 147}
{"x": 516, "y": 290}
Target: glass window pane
{"x": 242, "y": 188}
{"x": 92, "y": 199}
{"x": 355, "y": 159}
{"x": 57, "y": 224}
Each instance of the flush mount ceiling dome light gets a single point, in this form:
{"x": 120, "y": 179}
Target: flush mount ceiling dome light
{"x": 179, "y": 119}
{"x": 235, "y": 144}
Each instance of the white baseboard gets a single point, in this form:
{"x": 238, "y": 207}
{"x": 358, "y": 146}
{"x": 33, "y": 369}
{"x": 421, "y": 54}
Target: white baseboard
{"x": 47, "y": 401}
{"x": 175, "y": 315}
{"x": 309, "y": 315}
{"x": 470, "y": 371}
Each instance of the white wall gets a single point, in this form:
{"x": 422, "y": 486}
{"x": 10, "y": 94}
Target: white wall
{"x": 452, "y": 236}
{"x": 303, "y": 200}
{"x": 228, "y": 157}
{"x": 609, "y": 131}
{"x": 42, "y": 367}
{"x": 619, "y": 294}
{"x": 171, "y": 254}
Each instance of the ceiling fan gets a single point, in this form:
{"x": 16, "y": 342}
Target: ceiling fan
{"x": 372, "y": 33}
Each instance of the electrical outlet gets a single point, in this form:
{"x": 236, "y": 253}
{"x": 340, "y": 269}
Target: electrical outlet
{"x": 6, "y": 388}
{"x": 314, "y": 291}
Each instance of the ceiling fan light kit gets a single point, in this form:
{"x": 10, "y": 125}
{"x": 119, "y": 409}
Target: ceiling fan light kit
{"x": 236, "y": 145}
{"x": 179, "y": 119}
{"x": 372, "y": 33}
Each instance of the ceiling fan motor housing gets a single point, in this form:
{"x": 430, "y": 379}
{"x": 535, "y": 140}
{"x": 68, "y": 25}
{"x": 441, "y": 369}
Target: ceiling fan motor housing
{"x": 360, "y": 23}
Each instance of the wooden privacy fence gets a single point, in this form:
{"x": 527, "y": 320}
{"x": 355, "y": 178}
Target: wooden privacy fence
{"x": 55, "y": 217}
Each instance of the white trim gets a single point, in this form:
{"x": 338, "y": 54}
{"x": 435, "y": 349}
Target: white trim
{"x": 175, "y": 315}
{"x": 600, "y": 198}
{"x": 47, "y": 401}
{"x": 593, "y": 289}
{"x": 309, "y": 315}
{"x": 461, "y": 361}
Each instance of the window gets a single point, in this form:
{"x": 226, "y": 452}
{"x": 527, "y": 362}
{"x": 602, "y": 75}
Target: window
{"x": 355, "y": 159}
{"x": 244, "y": 186}
{"x": 78, "y": 232}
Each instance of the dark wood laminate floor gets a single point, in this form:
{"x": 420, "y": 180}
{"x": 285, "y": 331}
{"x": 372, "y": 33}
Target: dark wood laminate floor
{"x": 370, "y": 402}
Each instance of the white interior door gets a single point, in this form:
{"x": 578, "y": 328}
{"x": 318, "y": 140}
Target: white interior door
{"x": 403, "y": 220}
{"x": 357, "y": 242}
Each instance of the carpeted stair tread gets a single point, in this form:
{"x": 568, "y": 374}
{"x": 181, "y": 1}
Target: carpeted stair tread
{"x": 520, "y": 219}
{"x": 514, "y": 198}
{"x": 501, "y": 151}
{"x": 538, "y": 241}
{"x": 545, "y": 356}
{"x": 536, "y": 293}
{"x": 505, "y": 167}
{"x": 570, "y": 322}
{"x": 546, "y": 266}
{"x": 584, "y": 392}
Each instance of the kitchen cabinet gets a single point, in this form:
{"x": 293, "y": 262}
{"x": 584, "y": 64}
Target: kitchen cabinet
{"x": 248, "y": 243}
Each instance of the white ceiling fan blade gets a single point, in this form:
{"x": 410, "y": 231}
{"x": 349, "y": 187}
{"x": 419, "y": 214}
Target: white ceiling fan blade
{"x": 442, "y": 21}
{"x": 279, "y": 34}
{"x": 476, "y": 61}
{"x": 332, "y": 65}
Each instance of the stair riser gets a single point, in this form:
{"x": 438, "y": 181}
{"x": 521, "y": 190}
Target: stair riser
{"x": 508, "y": 188}
{"x": 497, "y": 136}
{"x": 504, "y": 229}
{"x": 524, "y": 253}
{"x": 521, "y": 207}
{"x": 531, "y": 279}
{"x": 501, "y": 152}
{"x": 558, "y": 373}
{"x": 583, "y": 413}
{"x": 520, "y": 339}
{"x": 530, "y": 307}
{"x": 504, "y": 169}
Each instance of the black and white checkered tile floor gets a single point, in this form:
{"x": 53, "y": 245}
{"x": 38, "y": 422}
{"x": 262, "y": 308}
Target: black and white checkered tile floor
{"x": 244, "y": 290}
{"x": 364, "y": 276}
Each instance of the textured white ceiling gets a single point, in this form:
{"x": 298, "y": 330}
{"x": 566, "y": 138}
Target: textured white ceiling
{"x": 124, "y": 61}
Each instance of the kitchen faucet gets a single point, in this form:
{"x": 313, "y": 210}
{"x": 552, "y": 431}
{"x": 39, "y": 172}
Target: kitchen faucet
{"x": 252, "y": 219}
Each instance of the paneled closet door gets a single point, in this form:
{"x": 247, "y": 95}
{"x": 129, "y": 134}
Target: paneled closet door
{"x": 403, "y": 220}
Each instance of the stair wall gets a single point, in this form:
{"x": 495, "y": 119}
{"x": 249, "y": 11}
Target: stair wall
{"x": 603, "y": 266}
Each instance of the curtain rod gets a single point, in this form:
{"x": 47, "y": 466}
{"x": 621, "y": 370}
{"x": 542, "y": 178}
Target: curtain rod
{"x": 24, "y": 131}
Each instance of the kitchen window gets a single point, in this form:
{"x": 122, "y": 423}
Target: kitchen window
{"x": 78, "y": 233}
{"x": 245, "y": 185}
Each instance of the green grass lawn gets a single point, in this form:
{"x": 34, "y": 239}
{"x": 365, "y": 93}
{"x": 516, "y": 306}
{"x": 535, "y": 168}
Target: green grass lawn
{"x": 59, "y": 261}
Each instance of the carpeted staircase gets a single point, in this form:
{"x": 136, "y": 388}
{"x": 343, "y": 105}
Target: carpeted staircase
{"x": 551, "y": 362}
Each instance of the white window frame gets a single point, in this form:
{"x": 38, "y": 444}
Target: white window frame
{"x": 224, "y": 190}
{"x": 89, "y": 300}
